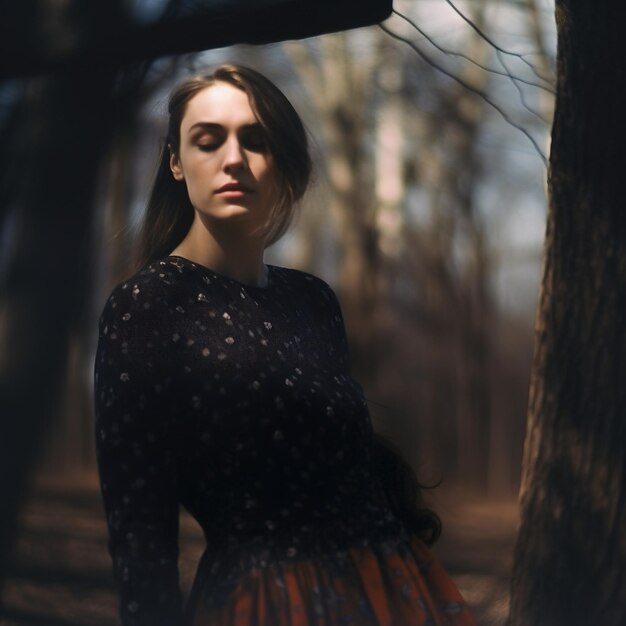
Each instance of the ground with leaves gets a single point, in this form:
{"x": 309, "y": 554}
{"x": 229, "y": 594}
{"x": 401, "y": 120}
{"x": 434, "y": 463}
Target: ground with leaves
{"x": 63, "y": 573}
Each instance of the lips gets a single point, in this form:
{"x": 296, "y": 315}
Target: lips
{"x": 233, "y": 187}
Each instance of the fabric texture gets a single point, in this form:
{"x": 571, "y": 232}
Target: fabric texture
{"x": 237, "y": 403}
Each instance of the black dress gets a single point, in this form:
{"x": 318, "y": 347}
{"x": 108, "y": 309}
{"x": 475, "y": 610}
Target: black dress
{"x": 237, "y": 402}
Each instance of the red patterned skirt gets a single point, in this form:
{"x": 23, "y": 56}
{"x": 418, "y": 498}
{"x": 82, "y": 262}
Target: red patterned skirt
{"x": 378, "y": 585}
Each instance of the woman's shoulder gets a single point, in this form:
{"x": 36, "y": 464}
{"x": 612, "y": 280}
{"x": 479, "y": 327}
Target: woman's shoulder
{"x": 304, "y": 280}
{"x": 155, "y": 285}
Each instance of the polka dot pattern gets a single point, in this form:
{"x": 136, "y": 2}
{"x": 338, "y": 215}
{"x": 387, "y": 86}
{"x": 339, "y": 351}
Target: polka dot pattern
{"x": 237, "y": 403}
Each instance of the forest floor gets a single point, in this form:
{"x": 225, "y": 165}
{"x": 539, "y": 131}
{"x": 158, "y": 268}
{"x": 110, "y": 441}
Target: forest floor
{"x": 62, "y": 575}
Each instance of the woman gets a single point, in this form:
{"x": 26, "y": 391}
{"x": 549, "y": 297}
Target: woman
{"x": 223, "y": 384}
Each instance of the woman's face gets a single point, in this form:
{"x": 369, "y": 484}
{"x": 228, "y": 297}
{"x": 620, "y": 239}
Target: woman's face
{"x": 223, "y": 158}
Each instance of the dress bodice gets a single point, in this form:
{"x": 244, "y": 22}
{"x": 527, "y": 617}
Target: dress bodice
{"x": 236, "y": 402}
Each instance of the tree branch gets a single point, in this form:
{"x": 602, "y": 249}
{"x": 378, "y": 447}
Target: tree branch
{"x": 469, "y": 87}
{"x": 492, "y": 43}
{"x": 461, "y": 55}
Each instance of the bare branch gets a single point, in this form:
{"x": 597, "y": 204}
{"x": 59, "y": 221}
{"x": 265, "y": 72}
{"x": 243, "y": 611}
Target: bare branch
{"x": 461, "y": 55}
{"x": 469, "y": 87}
{"x": 536, "y": 26}
{"x": 522, "y": 95}
{"x": 492, "y": 43}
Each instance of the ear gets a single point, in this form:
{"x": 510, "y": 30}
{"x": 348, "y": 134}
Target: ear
{"x": 175, "y": 166}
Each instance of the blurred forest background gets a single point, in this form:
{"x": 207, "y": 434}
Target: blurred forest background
{"x": 427, "y": 216}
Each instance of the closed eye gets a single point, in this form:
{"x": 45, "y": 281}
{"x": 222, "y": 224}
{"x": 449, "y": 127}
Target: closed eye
{"x": 251, "y": 137}
{"x": 209, "y": 138}
{"x": 209, "y": 146}
{"x": 254, "y": 139}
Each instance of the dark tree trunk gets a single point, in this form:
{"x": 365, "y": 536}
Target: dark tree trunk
{"x": 570, "y": 560}
{"x": 55, "y": 160}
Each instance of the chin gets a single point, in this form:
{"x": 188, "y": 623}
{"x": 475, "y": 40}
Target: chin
{"x": 228, "y": 211}
{"x": 240, "y": 218}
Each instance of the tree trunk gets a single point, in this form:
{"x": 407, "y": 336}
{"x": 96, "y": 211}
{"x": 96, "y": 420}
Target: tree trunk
{"x": 570, "y": 559}
{"x": 45, "y": 280}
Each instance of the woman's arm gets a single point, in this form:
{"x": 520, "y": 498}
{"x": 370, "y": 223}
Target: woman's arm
{"x": 135, "y": 443}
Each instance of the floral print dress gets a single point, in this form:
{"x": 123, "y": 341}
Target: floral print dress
{"x": 237, "y": 403}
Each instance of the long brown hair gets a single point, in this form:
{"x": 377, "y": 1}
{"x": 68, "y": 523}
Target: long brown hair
{"x": 404, "y": 492}
{"x": 169, "y": 213}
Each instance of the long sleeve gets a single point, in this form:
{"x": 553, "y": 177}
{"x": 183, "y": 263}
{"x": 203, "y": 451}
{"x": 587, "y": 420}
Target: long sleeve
{"x": 135, "y": 444}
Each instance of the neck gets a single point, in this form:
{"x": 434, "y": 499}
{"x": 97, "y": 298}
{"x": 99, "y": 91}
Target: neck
{"x": 223, "y": 249}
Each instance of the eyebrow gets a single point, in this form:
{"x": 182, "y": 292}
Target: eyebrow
{"x": 216, "y": 126}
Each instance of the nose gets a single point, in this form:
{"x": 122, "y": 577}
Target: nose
{"x": 234, "y": 158}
